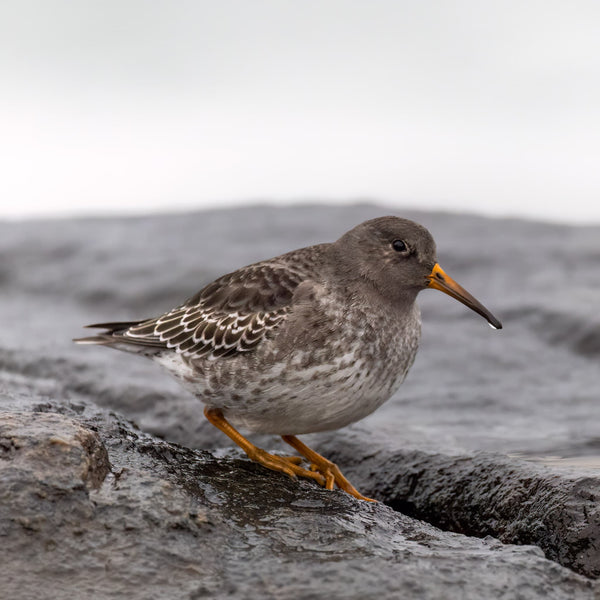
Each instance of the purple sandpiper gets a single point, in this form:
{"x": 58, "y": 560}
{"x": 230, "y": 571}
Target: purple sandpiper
{"x": 308, "y": 341}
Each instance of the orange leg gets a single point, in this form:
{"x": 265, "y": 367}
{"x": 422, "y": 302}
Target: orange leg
{"x": 284, "y": 464}
{"x": 320, "y": 464}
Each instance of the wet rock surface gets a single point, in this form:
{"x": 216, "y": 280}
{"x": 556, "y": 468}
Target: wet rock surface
{"x": 173, "y": 522}
{"x": 92, "y": 505}
{"x": 483, "y": 493}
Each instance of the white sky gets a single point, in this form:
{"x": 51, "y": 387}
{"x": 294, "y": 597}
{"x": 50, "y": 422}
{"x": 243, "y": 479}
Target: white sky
{"x": 139, "y": 105}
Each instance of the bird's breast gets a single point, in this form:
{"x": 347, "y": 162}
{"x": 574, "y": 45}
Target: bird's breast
{"x": 332, "y": 375}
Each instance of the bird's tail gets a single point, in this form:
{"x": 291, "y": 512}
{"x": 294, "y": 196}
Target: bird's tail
{"x": 106, "y": 337}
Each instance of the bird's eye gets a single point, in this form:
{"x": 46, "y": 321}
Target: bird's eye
{"x": 399, "y": 246}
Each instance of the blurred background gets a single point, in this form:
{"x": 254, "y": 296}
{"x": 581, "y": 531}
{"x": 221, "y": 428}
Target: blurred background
{"x": 132, "y": 106}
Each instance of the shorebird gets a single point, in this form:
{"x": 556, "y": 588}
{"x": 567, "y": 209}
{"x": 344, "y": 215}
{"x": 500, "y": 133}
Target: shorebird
{"x": 309, "y": 341}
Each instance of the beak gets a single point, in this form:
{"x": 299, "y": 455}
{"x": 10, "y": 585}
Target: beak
{"x": 438, "y": 280}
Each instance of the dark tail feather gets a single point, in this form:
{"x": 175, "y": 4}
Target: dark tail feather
{"x": 116, "y": 326}
{"x": 116, "y": 335}
{"x": 107, "y": 337}
{"x": 96, "y": 339}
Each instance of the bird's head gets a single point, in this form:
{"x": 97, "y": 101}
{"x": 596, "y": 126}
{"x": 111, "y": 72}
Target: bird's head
{"x": 398, "y": 258}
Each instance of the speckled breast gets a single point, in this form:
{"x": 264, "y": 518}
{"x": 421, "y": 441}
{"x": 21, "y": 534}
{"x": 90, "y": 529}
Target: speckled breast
{"x": 327, "y": 380}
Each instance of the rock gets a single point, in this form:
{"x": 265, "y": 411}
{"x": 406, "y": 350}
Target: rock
{"x": 168, "y": 521}
{"x": 50, "y": 447}
{"x": 481, "y": 494}
{"x": 48, "y": 465}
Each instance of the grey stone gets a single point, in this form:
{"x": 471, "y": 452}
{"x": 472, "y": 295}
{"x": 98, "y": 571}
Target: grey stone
{"x": 171, "y": 522}
{"x": 481, "y": 493}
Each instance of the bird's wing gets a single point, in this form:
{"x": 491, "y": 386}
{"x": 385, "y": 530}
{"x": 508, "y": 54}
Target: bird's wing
{"x": 232, "y": 314}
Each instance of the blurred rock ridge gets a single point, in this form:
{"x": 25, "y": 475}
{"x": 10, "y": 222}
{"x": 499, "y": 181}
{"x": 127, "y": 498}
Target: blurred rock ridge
{"x": 486, "y": 462}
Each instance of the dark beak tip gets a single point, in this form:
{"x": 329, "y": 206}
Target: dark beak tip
{"x": 495, "y": 324}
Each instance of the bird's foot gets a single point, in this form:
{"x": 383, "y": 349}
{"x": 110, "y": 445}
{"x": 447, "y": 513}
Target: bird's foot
{"x": 323, "y": 471}
{"x": 284, "y": 464}
{"x": 329, "y": 470}
{"x": 332, "y": 474}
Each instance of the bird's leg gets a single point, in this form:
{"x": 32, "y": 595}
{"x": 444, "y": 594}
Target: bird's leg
{"x": 329, "y": 470}
{"x": 287, "y": 464}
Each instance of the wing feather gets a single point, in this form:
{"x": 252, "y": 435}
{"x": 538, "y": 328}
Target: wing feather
{"x": 231, "y": 315}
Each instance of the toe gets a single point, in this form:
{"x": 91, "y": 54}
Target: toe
{"x": 295, "y": 460}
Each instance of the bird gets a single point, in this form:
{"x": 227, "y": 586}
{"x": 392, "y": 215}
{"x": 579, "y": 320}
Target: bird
{"x": 309, "y": 341}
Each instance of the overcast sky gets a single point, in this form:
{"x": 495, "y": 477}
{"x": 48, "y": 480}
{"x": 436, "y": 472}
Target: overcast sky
{"x": 131, "y": 105}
